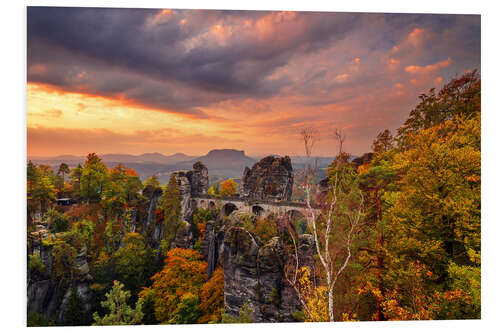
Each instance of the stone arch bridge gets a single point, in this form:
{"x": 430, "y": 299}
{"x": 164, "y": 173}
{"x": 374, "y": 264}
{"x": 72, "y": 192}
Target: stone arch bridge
{"x": 261, "y": 208}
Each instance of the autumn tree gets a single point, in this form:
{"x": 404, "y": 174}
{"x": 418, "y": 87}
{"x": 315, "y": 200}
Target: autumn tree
{"x": 120, "y": 313}
{"x": 435, "y": 217}
{"x": 184, "y": 274}
{"x": 228, "y": 187}
{"x": 212, "y": 298}
{"x": 461, "y": 97}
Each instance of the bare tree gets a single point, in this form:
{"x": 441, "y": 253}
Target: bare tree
{"x": 333, "y": 265}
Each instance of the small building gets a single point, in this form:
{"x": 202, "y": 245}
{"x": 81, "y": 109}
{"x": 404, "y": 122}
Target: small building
{"x": 64, "y": 201}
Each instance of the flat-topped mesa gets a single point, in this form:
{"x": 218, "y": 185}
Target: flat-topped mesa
{"x": 270, "y": 179}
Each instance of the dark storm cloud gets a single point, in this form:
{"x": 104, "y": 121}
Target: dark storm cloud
{"x": 146, "y": 56}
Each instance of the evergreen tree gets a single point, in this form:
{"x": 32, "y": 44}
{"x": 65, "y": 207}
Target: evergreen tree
{"x": 171, "y": 205}
{"x": 74, "y": 314}
{"x": 120, "y": 313}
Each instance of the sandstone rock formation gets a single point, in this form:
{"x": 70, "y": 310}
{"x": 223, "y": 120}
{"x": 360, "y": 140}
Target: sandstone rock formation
{"x": 50, "y": 297}
{"x": 184, "y": 185}
{"x": 184, "y": 236}
{"x": 269, "y": 179}
{"x": 198, "y": 179}
{"x": 253, "y": 274}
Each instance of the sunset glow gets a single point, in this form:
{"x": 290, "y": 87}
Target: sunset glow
{"x": 136, "y": 81}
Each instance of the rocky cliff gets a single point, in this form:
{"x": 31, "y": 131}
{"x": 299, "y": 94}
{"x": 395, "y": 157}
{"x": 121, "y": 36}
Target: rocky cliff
{"x": 47, "y": 295}
{"x": 269, "y": 179}
{"x": 253, "y": 274}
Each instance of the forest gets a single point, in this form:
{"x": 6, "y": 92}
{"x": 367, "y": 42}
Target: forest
{"x": 397, "y": 233}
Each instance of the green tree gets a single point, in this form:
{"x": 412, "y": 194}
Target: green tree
{"x": 152, "y": 181}
{"x": 134, "y": 262}
{"x": 74, "y": 314}
{"x": 58, "y": 222}
{"x": 383, "y": 142}
{"x": 187, "y": 311}
{"x": 64, "y": 256}
{"x": 64, "y": 170}
{"x": 93, "y": 179}
{"x": 76, "y": 177}
{"x": 171, "y": 205}
{"x": 43, "y": 192}
{"x": 244, "y": 317}
{"x": 120, "y": 313}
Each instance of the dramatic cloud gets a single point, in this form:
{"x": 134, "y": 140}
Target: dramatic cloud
{"x": 253, "y": 78}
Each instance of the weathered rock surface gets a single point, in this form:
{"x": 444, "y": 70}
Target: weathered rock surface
{"x": 48, "y": 296}
{"x": 253, "y": 274}
{"x": 184, "y": 185}
{"x": 269, "y": 179}
{"x": 209, "y": 247}
{"x": 184, "y": 236}
{"x": 198, "y": 178}
{"x": 241, "y": 279}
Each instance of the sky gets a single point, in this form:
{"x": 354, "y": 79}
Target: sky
{"x": 160, "y": 80}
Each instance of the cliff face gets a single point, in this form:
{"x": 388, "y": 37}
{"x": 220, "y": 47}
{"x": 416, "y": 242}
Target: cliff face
{"x": 269, "y": 179}
{"x": 50, "y": 296}
{"x": 253, "y": 274}
{"x": 198, "y": 179}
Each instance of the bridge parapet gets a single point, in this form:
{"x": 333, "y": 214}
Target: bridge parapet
{"x": 251, "y": 202}
{"x": 260, "y": 207}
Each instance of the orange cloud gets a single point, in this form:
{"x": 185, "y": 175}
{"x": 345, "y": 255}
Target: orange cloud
{"x": 416, "y": 33}
{"x": 51, "y": 113}
{"x": 393, "y": 61}
{"x": 429, "y": 68}
{"x": 342, "y": 76}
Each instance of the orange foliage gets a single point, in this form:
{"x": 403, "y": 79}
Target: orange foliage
{"x": 131, "y": 173}
{"x": 184, "y": 272}
{"x": 228, "y": 187}
{"x": 201, "y": 229}
{"x": 363, "y": 168}
{"x": 212, "y": 298}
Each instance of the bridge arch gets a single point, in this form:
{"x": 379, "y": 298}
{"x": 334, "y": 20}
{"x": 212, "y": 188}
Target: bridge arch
{"x": 258, "y": 211}
{"x": 202, "y": 204}
{"x": 228, "y": 208}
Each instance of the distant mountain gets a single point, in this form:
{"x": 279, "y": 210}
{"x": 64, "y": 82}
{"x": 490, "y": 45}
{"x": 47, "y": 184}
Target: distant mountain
{"x": 117, "y": 158}
{"x": 146, "y": 158}
{"x": 224, "y": 163}
{"x": 227, "y": 163}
